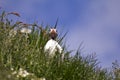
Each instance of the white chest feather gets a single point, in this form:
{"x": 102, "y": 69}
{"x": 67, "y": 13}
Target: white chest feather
{"x": 51, "y": 47}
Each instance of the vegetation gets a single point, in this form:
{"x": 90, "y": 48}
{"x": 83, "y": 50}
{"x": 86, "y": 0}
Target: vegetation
{"x": 22, "y": 56}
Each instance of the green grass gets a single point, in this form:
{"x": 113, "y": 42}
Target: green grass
{"x": 26, "y": 51}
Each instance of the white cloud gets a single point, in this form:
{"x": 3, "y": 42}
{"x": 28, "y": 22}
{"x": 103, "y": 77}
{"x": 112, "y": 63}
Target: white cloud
{"x": 100, "y": 28}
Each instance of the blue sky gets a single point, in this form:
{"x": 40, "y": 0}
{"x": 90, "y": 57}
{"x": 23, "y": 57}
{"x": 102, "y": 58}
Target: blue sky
{"x": 95, "y": 22}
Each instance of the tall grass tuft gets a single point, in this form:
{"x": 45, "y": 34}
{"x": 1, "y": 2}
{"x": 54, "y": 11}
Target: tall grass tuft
{"x": 22, "y": 56}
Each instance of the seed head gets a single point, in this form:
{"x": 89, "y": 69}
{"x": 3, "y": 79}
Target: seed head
{"x": 14, "y": 13}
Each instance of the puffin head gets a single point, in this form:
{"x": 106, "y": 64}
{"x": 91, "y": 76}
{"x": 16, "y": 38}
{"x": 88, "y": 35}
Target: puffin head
{"x": 53, "y": 33}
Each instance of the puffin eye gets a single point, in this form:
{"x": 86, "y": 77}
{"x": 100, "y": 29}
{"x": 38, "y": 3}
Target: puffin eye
{"x": 50, "y": 30}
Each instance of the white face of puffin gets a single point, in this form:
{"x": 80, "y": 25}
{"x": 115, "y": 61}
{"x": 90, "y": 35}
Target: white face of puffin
{"x": 52, "y": 30}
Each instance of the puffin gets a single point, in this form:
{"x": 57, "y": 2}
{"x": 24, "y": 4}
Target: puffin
{"x": 52, "y": 46}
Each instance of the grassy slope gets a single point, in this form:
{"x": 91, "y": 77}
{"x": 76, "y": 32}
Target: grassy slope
{"x": 26, "y": 51}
